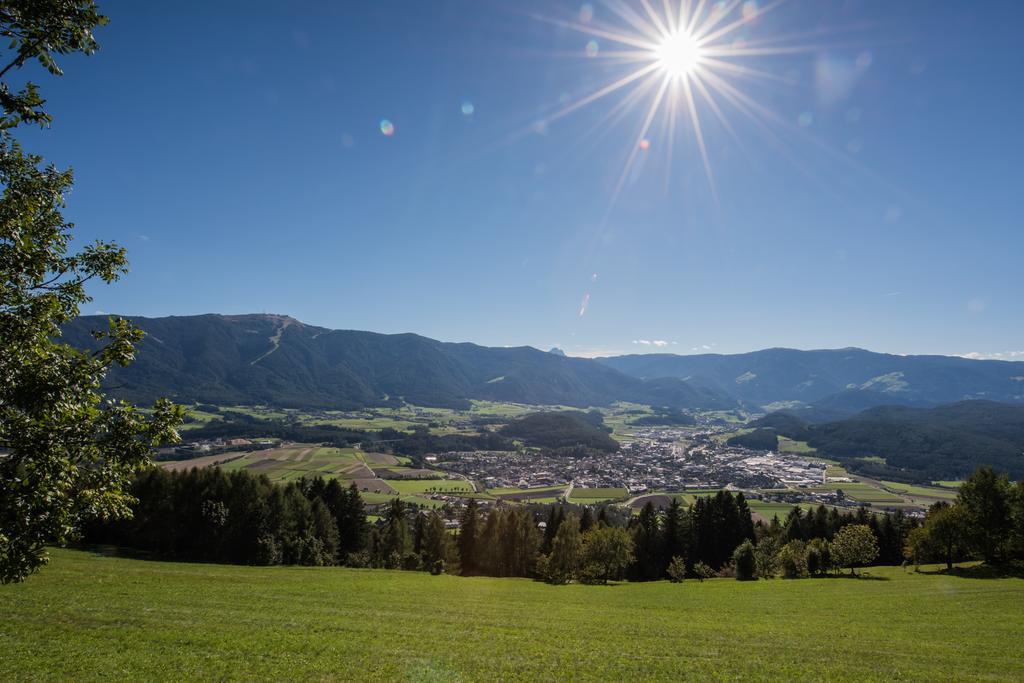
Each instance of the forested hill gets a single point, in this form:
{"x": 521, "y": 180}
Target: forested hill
{"x": 947, "y": 442}
{"x": 277, "y": 360}
{"x": 841, "y": 381}
{"x": 562, "y": 430}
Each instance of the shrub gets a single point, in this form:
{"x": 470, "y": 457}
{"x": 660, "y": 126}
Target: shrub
{"x": 765, "y": 559}
{"x": 677, "y": 569}
{"x": 701, "y": 571}
{"x": 792, "y": 559}
{"x": 744, "y": 561}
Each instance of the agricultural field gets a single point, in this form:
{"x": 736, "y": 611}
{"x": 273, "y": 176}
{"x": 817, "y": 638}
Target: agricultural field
{"x": 380, "y": 477}
{"x": 87, "y": 617}
{"x": 790, "y": 446}
{"x": 928, "y": 493}
{"x": 594, "y": 496}
{"x": 539, "y": 494}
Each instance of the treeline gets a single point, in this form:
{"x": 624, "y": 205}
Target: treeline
{"x": 702, "y": 540}
{"x": 986, "y": 521}
{"x": 208, "y": 515}
{"x": 235, "y": 425}
{"x": 236, "y": 517}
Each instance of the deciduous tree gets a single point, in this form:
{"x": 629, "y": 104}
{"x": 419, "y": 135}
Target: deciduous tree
{"x": 855, "y": 545}
{"x": 606, "y": 552}
{"x": 71, "y": 452}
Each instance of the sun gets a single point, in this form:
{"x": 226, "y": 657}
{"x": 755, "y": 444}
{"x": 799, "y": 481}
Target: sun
{"x": 682, "y": 61}
{"x": 679, "y": 54}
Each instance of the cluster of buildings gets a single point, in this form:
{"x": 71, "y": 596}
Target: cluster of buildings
{"x": 657, "y": 460}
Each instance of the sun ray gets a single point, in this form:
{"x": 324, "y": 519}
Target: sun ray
{"x": 663, "y": 30}
{"x": 670, "y": 15}
{"x": 603, "y": 92}
{"x": 598, "y": 32}
{"x": 742, "y": 21}
{"x": 699, "y": 134}
{"x": 695, "y": 16}
{"x": 714, "y": 19}
{"x": 633, "y": 18}
{"x": 651, "y": 113}
{"x": 682, "y": 58}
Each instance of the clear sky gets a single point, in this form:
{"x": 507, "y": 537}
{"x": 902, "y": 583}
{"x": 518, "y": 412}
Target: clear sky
{"x": 873, "y": 197}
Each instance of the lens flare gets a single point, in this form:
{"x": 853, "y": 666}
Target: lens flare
{"x": 387, "y": 128}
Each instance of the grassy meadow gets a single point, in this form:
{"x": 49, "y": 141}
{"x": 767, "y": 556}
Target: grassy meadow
{"x": 90, "y": 617}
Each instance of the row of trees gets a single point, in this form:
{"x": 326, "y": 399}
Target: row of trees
{"x": 236, "y": 517}
{"x": 986, "y": 521}
{"x": 209, "y": 515}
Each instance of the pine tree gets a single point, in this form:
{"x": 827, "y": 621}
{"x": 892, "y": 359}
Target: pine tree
{"x": 647, "y": 545}
{"x": 395, "y": 541}
{"x": 437, "y": 549}
{"x": 469, "y": 532}
{"x": 586, "y": 521}
{"x": 675, "y": 542}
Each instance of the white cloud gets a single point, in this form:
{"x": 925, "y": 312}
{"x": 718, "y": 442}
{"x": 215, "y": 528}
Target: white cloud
{"x": 660, "y": 342}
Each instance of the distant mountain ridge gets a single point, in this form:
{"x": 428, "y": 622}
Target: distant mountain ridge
{"x": 946, "y": 442}
{"x": 277, "y": 360}
{"x": 840, "y": 381}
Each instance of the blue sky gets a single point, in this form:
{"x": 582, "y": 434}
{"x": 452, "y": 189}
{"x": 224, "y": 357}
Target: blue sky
{"x": 236, "y": 150}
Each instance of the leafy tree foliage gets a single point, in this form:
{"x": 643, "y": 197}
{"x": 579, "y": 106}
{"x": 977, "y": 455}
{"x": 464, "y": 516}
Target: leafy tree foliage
{"x": 986, "y": 499}
{"x": 942, "y": 538}
{"x": 765, "y": 557}
{"x": 606, "y": 552}
{"x": 855, "y": 545}
{"x": 792, "y": 559}
{"x": 566, "y": 552}
{"x": 70, "y": 454}
{"x": 744, "y": 561}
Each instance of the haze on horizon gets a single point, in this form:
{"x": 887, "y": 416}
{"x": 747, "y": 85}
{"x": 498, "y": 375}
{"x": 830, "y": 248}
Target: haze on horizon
{"x": 427, "y": 168}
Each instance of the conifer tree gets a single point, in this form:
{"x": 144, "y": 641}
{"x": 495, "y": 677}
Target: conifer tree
{"x": 469, "y": 533}
{"x": 586, "y": 520}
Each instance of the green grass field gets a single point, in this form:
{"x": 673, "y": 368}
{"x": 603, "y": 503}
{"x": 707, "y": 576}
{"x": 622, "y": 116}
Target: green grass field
{"x": 592, "y": 496}
{"x": 91, "y": 618}
{"x": 428, "y": 486}
{"x": 922, "y": 491}
{"x": 790, "y": 446}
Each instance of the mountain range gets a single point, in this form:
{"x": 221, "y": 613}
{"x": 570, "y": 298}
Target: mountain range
{"x": 832, "y": 383}
{"x": 277, "y": 360}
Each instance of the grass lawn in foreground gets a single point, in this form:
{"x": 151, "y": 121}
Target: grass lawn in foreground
{"x": 88, "y": 617}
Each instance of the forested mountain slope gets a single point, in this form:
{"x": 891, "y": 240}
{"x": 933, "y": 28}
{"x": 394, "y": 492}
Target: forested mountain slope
{"x": 277, "y": 360}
